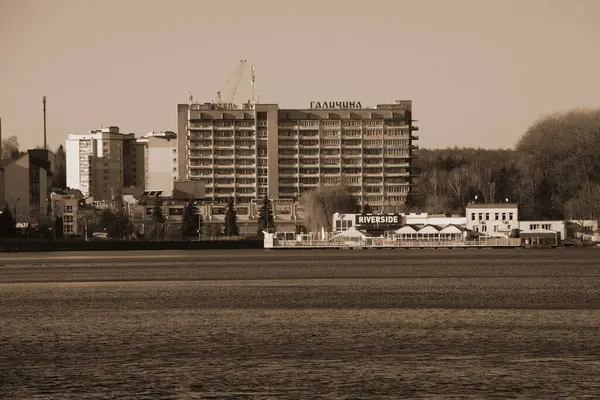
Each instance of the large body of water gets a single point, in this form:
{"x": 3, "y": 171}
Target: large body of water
{"x": 306, "y": 324}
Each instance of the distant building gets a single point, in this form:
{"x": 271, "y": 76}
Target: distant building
{"x": 27, "y": 185}
{"x": 158, "y": 154}
{"x": 66, "y": 204}
{"x": 97, "y": 161}
{"x": 103, "y": 162}
{"x": 378, "y": 224}
{"x": 492, "y": 219}
{"x": 251, "y": 150}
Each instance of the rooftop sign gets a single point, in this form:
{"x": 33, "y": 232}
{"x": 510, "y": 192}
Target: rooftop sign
{"x": 335, "y": 105}
{"x": 370, "y": 220}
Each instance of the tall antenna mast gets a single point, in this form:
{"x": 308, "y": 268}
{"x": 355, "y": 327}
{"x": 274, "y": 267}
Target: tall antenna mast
{"x": 252, "y": 85}
{"x": 44, "y": 107}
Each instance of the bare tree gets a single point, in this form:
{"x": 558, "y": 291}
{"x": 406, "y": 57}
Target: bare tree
{"x": 561, "y": 154}
{"x": 457, "y": 185}
{"x": 9, "y": 145}
{"x": 320, "y": 204}
{"x": 489, "y": 186}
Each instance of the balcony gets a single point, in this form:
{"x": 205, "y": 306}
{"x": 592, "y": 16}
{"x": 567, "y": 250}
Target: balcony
{"x": 224, "y": 185}
{"x": 245, "y": 127}
{"x": 245, "y": 146}
{"x": 371, "y": 184}
{"x": 288, "y": 156}
{"x": 312, "y": 155}
{"x": 224, "y": 128}
{"x": 288, "y": 184}
{"x": 397, "y": 174}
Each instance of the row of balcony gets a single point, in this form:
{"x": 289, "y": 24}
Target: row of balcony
{"x": 207, "y": 171}
{"x": 383, "y": 182}
{"x": 301, "y": 157}
{"x": 295, "y": 125}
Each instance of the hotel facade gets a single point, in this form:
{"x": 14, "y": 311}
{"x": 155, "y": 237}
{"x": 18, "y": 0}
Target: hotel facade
{"x": 249, "y": 150}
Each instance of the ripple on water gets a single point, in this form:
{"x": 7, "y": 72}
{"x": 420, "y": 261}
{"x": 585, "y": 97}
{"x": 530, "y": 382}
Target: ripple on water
{"x": 172, "y": 341}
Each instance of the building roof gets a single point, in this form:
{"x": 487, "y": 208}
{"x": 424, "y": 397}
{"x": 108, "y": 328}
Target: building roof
{"x": 451, "y": 229}
{"x": 492, "y": 205}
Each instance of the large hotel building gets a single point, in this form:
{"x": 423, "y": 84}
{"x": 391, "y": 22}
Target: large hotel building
{"x": 248, "y": 151}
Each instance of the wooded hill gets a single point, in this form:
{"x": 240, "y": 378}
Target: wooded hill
{"x": 553, "y": 172}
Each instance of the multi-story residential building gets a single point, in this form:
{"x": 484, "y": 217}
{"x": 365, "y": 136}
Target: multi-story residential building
{"x": 27, "y": 185}
{"x": 157, "y": 152}
{"x": 250, "y": 150}
{"x": 66, "y": 204}
{"x": 97, "y": 161}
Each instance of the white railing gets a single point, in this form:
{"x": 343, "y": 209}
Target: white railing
{"x": 391, "y": 243}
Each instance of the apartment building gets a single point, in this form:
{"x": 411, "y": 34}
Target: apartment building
{"x": 102, "y": 162}
{"x": 27, "y": 185}
{"x": 248, "y": 151}
{"x": 66, "y": 204}
{"x": 157, "y": 152}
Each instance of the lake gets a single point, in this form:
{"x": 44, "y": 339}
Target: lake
{"x": 353, "y": 324}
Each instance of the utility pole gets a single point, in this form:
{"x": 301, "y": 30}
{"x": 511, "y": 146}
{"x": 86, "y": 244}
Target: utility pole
{"x": 1, "y": 147}
{"x": 44, "y": 108}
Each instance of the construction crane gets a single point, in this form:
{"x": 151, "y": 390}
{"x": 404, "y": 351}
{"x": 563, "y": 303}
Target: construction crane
{"x": 234, "y": 78}
{"x": 252, "y": 79}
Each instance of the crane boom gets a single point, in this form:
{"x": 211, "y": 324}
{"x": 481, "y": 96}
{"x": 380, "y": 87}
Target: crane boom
{"x": 234, "y": 78}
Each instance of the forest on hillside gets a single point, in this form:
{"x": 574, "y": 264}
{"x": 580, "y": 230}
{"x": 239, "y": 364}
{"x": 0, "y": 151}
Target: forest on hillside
{"x": 553, "y": 172}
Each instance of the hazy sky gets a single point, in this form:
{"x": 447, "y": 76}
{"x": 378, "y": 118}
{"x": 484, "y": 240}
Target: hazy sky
{"x": 478, "y": 72}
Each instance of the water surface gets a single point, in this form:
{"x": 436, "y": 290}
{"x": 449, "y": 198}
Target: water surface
{"x": 305, "y": 324}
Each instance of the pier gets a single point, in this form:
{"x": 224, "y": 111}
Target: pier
{"x": 288, "y": 241}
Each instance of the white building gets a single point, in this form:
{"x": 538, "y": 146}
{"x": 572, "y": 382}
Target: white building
{"x": 554, "y": 226}
{"x": 342, "y": 222}
{"x": 97, "y": 162}
{"x": 160, "y": 161}
{"x": 492, "y": 219}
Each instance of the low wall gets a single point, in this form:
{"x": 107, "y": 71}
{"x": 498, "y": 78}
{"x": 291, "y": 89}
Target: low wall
{"x": 107, "y": 245}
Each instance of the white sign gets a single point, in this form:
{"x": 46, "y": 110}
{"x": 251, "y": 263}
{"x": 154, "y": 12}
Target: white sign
{"x": 377, "y": 219}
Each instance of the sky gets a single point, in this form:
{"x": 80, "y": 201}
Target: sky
{"x": 479, "y": 72}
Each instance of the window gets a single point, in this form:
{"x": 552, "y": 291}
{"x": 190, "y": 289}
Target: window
{"x": 497, "y": 216}
{"x": 484, "y": 228}
{"x": 503, "y": 216}
{"x": 510, "y": 216}
{"x": 487, "y": 216}
{"x": 547, "y": 226}
{"x": 472, "y": 216}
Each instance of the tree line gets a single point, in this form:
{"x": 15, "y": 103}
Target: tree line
{"x": 553, "y": 172}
